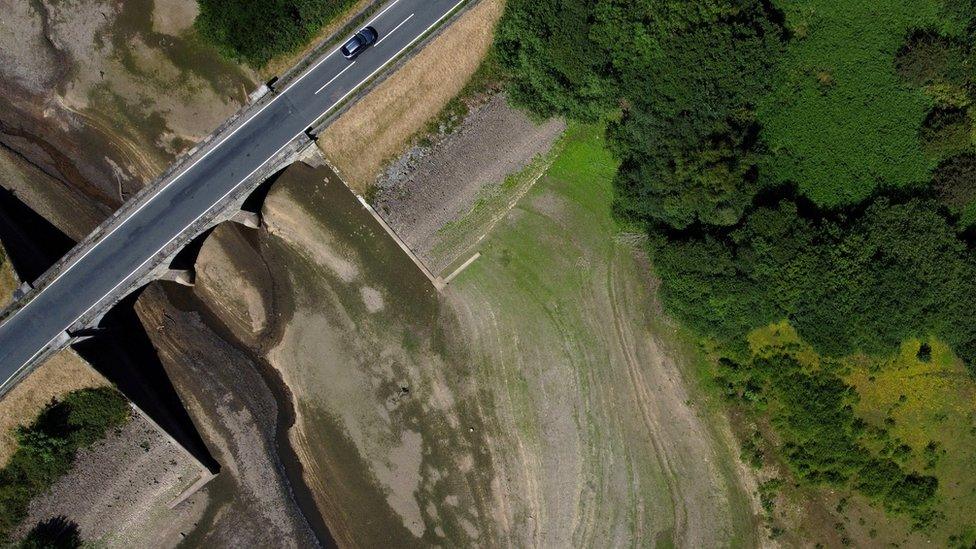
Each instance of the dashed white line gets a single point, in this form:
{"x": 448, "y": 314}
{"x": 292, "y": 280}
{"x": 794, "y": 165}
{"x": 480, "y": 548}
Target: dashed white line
{"x": 387, "y": 35}
{"x": 234, "y": 188}
{"x": 334, "y": 78}
{"x": 331, "y": 53}
{"x": 380, "y": 14}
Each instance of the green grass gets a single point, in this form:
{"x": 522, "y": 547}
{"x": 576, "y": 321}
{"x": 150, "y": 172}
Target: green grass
{"x": 840, "y": 122}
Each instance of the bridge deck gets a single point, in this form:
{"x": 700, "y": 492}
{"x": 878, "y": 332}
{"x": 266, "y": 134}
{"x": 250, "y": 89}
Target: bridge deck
{"x": 125, "y": 252}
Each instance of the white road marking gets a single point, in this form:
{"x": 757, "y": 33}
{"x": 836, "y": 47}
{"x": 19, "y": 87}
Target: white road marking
{"x": 394, "y": 30}
{"x": 234, "y": 188}
{"x": 320, "y": 61}
{"x": 334, "y": 78}
{"x": 380, "y": 14}
{"x": 188, "y": 168}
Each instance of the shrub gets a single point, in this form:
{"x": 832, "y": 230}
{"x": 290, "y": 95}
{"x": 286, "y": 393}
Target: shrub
{"x": 946, "y": 130}
{"x": 821, "y": 437}
{"x": 841, "y": 143}
{"x": 46, "y": 449}
{"x": 924, "y": 353}
{"x": 928, "y": 58}
{"x": 255, "y": 31}
{"x": 863, "y": 282}
{"x": 685, "y": 135}
{"x": 954, "y": 181}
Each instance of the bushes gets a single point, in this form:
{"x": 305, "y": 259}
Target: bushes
{"x": 561, "y": 71}
{"x": 946, "y": 130}
{"x": 861, "y": 282}
{"x": 928, "y": 58}
{"x": 687, "y": 138}
{"x": 954, "y": 182}
{"x": 841, "y": 143}
{"x": 256, "y": 31}
{"x": 47, "y": 447}
{"x": 822, "y": 439}
{"x": 685, "y": 133}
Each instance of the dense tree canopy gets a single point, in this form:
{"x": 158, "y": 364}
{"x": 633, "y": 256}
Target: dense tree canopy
{"x": 865, "y": 284}
{"x": 698, "y": 89}
{"x": 681, "y": 163}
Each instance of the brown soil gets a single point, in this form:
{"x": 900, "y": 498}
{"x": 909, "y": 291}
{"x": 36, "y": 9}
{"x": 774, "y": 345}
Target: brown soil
{"x": 383, "y": 428}
{"x": 590, "y": 401}
{"x": 528, "y": 414}
{"x": 99, "y": 96}
{"x": 229, "y": 268}
{"x": 380, "y": 126}
{"x": 249, "y": 503}
{"x": 595, "y": 418}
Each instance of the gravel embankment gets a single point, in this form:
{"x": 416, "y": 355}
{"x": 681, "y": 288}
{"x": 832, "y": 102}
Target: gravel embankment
{"x": 428, "y": 187}
{"x": 119, "y": 490}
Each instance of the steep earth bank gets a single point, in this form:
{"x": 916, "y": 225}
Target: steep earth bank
{"x": 97, "y": 97}
{"x": 250, "y": 502}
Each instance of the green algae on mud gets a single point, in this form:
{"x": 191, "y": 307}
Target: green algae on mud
{"x": 186, "y": 51}
{"x": 108, "y": 94}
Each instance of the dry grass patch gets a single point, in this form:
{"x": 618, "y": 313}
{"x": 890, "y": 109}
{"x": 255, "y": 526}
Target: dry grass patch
{"x": 381, "y": 125}
{"x": 8, "y": 280}
{"x": 61, "y": 374}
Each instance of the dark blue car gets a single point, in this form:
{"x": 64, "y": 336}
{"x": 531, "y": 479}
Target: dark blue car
{"x": 359, "y": 42}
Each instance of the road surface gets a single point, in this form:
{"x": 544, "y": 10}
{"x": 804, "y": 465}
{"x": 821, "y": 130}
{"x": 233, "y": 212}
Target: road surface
{"x": 119, "y": 258}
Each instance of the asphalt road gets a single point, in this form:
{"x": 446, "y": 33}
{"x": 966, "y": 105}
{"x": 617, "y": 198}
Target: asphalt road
{"x": 120, "y": 257}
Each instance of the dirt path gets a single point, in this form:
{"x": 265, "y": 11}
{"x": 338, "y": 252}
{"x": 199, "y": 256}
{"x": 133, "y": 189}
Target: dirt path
{"x": 676, "y": 426}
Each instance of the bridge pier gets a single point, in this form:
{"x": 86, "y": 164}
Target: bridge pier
{"x": 248, "y": 219}
{"x": 186, "y": 277}
{"x": 85, "y": 333}
{"x": 22, "y": 290}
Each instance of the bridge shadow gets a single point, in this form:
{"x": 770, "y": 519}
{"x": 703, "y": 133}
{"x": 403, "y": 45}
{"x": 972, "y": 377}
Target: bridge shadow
{"x": 32, "y": 243}
{"x": 121, "y": 349}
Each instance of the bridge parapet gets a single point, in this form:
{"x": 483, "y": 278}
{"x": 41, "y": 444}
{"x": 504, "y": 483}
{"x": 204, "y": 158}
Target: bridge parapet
{"x": 158, "y": 267}
{"x": 182, "y": 162}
